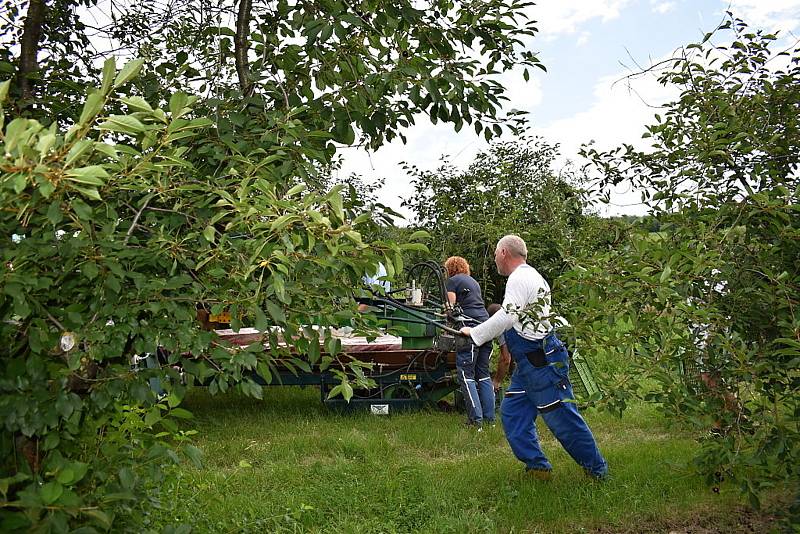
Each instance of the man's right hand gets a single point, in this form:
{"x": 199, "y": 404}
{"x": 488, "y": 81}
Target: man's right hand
{"x": 465, "y": 331}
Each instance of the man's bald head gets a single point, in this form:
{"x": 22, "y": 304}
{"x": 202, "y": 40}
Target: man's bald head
{"x": 509, "y": 253}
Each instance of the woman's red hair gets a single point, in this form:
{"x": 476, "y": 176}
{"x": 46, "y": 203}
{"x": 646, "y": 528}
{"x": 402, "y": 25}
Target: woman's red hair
{"x": 456, "y": 265}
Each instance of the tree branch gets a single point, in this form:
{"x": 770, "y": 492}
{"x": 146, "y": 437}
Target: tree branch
{"x": 242, "y": 45}
{"x": 29, "y": 46}
{"x": 136, "y": 220}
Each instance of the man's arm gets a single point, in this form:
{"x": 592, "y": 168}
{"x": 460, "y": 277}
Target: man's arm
{"x": 493, "y": 327}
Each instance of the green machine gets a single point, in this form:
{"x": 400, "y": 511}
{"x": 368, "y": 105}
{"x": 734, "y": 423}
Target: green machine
{"x": 414, "y": 331}
{"x": 421, "y": 317}
{"x": 420, "y": 313}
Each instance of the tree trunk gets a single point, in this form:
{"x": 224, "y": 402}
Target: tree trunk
{"x": 29, "y": 46}
{"x": 241, "y": 46}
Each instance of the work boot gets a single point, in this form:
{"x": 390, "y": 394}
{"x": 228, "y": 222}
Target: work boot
{"x": 539, "y": 474}
{"x": 595, "y": 477}
{"x": 474, "y": 425}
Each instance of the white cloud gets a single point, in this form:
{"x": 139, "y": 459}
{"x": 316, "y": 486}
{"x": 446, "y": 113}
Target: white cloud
{"x": 768, "y": 14}
{"x": 662, "y": 7}
{"x": 559, "y": 17}
{"x": 621, "y": 109}
{"x": 583, "y": 38}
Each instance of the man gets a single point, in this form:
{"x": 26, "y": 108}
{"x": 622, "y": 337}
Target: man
{"x": 540, "y": 383}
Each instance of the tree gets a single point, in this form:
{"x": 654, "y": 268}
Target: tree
{"x": 54, "y": 54}
{"x": 368, "y": 67}
{"x": 713, "y": 293}
{"x": 122, "y": 213}
{"x": 510, "y": 188}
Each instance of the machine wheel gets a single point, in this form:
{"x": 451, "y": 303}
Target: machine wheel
{"x": 400, "y": 391}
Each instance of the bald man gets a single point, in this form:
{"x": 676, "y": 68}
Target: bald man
{"x": 540, "y": 383}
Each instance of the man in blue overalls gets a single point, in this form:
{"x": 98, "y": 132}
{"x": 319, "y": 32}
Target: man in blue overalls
{"x": 540, "y": 383}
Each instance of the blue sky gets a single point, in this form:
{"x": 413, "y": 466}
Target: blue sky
{"x": 587, "y": 46}
{"x": 575, "y": 61}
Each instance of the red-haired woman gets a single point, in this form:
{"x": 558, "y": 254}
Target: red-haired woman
{"x": 472, "y": 364}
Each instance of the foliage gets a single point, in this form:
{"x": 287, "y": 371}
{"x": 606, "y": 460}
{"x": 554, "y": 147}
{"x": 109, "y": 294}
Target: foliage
{"x": 122, "y": 214}
{"x": 358, "y": 70}
{"x": 510, "y": 188}
{"x": 112, "y": 237}
{"x": 705, "y": 309}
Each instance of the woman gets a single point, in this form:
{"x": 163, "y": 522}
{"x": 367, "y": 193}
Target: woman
{"x": 472, "y": 364}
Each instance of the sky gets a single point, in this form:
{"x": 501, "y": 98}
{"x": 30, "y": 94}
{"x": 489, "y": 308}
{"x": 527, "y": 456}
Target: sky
{"x": 588, "y": 48}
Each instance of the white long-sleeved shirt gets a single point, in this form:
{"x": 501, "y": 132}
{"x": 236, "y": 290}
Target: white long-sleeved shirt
{"x": 526, "y": 291}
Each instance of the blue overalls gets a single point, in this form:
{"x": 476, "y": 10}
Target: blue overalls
{"x": 545, "y": 389}
{"x": 472, "y": 366}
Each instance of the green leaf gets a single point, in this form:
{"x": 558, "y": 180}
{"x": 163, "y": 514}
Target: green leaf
{"x": 109, "y": 68}
{"x": 181, "y": 413}
{"x": 137, "y": 103}
{"x": 335, "y": 390}
{"x": 264, "y": 372}
{"x": 123, "y": 124}
{"x": 46, "y": 188}
{"x": 343, "y": 131}
{"x": 665, "y": 274}
{"x": 72, "y": 473}
{"x": 81, "y": 209}
{"x": 50, "y": 492}
{"x": 54, "y": 213}
{"x": 354, "y": 236}
{"x": 90, "y": 175}
{"x": 94, "y": 103}
{"x": 128, "y": 72}
{"x": 296, "y": 189}
{"x": 419, "y": 247}
{"x": 282, "y": 222}
{"x": 333, "y": 346}
{"x": 347, "y": 391}
{"x": 176, "y": 104}
{"x": 78, "y": 149}
{"x": 335, "y": 202}
{"x": 209, "y": 233}
{"x": 4, "y": 90}
{"x": 302, "y": 364}
{"x": 100, "y": 516}
{"x": 90, "y": 192}
{"x": 126, "y": 478}
{"x": 20, "y": 182}
{"x": 45, "y": 144}
{"x": 419, "y": 234}
{"x": 106, "y": 149}
{"x": 153, "y": 416}
{"x": 52, "y": 439}
{"x": 194, "y": 454}
{"x": 276, "y": 312}
{"x": 262, "y": 323}
{"x": 90, "y": 270}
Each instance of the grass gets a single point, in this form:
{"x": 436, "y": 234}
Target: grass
{"x": 287, "y": 464}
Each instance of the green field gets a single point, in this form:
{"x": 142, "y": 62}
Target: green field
{"x": 287, "y": 464}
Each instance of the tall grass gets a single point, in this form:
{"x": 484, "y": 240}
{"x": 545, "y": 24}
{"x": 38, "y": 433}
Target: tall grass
{"x": 287, "y": 464}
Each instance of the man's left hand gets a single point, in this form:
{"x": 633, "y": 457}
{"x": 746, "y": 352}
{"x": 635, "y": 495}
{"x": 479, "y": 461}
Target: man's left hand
{"x": 465, "y": 331}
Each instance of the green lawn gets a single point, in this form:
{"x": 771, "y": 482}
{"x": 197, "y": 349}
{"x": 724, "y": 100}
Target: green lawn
{"x": 287, "y": 464}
